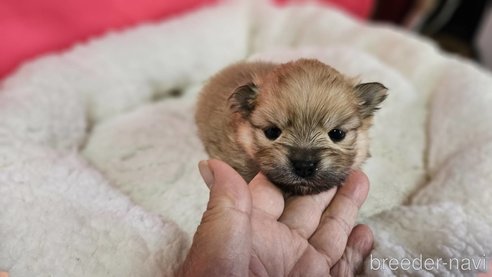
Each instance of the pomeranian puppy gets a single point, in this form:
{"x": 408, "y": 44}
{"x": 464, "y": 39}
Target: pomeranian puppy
{"x": 302, "y": 123}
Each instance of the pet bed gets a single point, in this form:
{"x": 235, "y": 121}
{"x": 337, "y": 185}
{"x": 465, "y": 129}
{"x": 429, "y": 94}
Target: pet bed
{"x": 99, "y": 151}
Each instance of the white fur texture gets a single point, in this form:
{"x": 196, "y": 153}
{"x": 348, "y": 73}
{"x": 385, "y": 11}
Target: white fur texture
{"x": 98, "y": 171}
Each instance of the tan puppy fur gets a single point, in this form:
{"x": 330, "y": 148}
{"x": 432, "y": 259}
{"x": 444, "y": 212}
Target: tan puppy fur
{"x": 302, "y": 123}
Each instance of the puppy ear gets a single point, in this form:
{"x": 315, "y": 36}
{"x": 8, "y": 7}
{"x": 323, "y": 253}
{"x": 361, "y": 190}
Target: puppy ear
{"x": 243, "y": 99}
{"x": 370, "y": 95}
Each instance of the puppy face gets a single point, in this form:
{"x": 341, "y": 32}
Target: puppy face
{"x": 305, "y": 124}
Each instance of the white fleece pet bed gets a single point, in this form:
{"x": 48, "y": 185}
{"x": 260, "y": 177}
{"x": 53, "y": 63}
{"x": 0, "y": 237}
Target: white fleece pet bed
{"x": 98, "y": 160}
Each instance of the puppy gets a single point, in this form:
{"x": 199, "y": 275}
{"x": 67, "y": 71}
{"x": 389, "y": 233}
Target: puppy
{"x": 302, "y": 123}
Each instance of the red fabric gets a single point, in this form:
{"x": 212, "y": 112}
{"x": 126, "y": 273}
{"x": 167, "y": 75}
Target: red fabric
{"x": 30, "y": 28}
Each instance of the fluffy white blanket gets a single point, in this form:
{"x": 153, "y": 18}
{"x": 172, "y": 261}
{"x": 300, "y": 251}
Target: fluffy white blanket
{"x": 98, "y": 159}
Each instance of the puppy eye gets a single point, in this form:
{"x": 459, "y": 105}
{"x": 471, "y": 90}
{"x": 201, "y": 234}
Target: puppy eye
{"x": 272, "y": 133}
{"x": 336, "y": 135}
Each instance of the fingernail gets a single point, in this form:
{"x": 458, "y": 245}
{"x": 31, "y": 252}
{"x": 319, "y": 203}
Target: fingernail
{"x": 206, "y": 173}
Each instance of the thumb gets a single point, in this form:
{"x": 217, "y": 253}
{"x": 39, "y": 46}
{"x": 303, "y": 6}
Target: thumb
{"x": 222, "y": 243}
{"x": 227, "y": 188}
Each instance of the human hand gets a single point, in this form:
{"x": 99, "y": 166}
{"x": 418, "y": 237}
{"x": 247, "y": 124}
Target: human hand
{"x": 251, "y": 230}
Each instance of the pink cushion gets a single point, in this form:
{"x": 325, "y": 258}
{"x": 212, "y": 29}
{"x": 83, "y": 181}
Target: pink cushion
{"x": 30, "y": 28}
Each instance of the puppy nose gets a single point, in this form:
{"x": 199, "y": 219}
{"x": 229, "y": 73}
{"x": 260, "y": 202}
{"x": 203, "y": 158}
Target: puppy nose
{"x": 304, "y": 168}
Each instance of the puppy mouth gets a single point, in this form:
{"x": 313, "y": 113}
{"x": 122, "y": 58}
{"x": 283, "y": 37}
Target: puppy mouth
{"x": 290, "y": 183}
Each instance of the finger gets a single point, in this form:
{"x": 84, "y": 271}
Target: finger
{"x": 227, "y": 188}
{"x": 337, "y": 221}
{"x": 216, "y": 246}
{"x": 266, "y": 197}
{"x": 359, "y": 246}
{"x": 302, "y": 214}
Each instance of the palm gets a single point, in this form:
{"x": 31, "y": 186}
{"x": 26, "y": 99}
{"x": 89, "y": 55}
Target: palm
{"x": 300, "y": 237}
{"x": 272, "y": 235}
